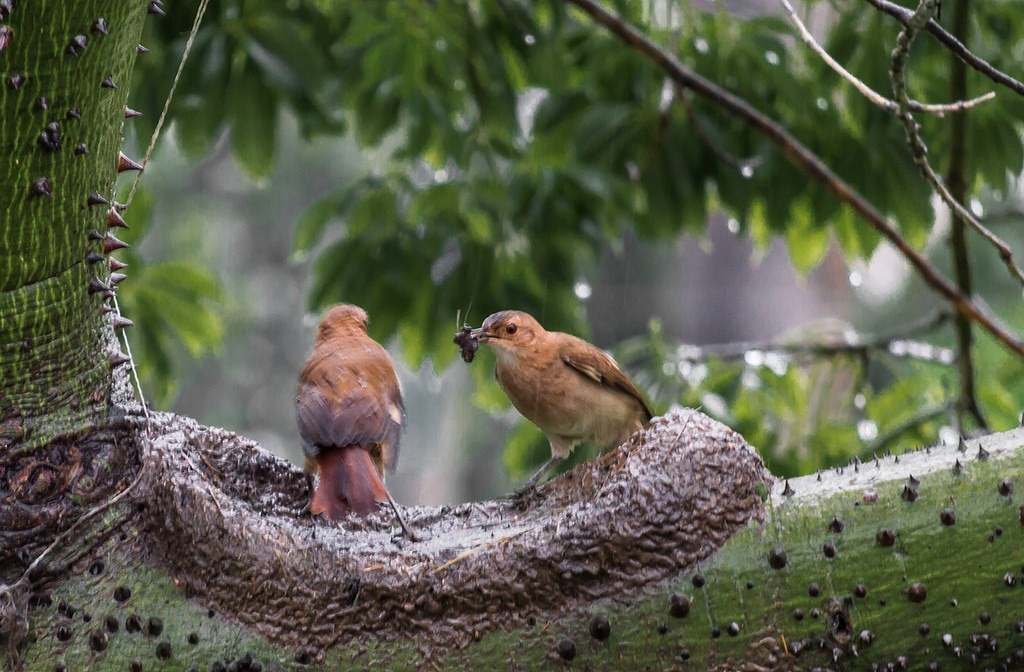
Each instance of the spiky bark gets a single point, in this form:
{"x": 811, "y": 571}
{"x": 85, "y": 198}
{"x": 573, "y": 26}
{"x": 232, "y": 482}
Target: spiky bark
{"x": 65, "y": 69}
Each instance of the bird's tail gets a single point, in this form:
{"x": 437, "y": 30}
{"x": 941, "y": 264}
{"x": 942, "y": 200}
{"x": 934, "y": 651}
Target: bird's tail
{"x": 349, "y": 481}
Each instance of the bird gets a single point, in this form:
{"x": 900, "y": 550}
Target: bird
{"x": 349, "y": 410}
{"x": 572, "y": 390}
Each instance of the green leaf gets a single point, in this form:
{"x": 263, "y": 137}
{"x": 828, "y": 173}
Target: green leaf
{"x": 807, "y": 242}
{"x": 253, "y": 123}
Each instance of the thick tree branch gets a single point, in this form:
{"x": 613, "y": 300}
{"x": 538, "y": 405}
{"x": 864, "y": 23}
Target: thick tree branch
{"x": 801, "y": 156}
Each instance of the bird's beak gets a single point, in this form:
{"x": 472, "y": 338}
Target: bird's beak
{"x": 481, "y": 334}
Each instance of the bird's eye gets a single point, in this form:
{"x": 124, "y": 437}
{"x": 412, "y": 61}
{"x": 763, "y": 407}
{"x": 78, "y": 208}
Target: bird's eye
{"x": 510, "y": 329}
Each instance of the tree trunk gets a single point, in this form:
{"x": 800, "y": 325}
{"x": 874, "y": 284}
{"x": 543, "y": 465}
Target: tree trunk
{"x": 127, "y": 540}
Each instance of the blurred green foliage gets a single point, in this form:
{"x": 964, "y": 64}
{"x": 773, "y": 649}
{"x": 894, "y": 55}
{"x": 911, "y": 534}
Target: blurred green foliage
{"x": 513, "y": 140}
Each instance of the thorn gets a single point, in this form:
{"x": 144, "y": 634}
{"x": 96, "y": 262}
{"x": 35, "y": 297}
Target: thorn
{"x": 962, "y": 445}
{"x": 115, "y": 220}
{"x": 155, "y": 8}
{"x": 124, "y": 163}
{"x": 15, "y": 81}
{"x": 81, "y": 149}
{"x": 42, "y": 104}
{"x": 141, "y": 50}
{"x": 913, "y": 481}
{"x": 93, "y": 256}
{"x": 117, "y": 358}
{"x": 97, "y": 285}
{"x": 40, "y": 187}
{"x": 121, "y": 207}
{"x": 108, "y": 83}
{"x": 122, "y": 322}
{"x": 76, "y": 46}
{"x": 130, "y": 113}
{"x": 788, "y": 491}
{"x": 116, "y": 265}
{"x": 6, "y": 35}
{"x": 982, "y": 453}
{"x": 95, "y": 235}
{"x": 958, "y": 468}
{"x": 99, "y": 26}
{"x": 49, "y": 139}
{"x": 96, "y": 198}
{"x": 74, "y": 113}
{"x": 104, "y": 309}
{"x": 116, "y": 279}
{"x": 111, "y": 243}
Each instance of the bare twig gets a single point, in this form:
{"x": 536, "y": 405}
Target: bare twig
{"x": 898, "y": 344}
{"x": 956, "y": 180}
{"x": 903, "y": 15}
{"x": 882, "y": 441}
{"x": 867, "y": 91}
{"x": 801, "y": 156}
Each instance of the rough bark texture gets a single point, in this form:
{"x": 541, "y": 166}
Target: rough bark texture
{"x": 665, "y": 500}
{"x": 212, "y": 523}
{"x": 60, "y": 121}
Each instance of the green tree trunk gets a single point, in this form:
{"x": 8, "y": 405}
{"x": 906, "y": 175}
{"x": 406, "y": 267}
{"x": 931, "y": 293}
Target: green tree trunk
{"x": 65, "y": 68}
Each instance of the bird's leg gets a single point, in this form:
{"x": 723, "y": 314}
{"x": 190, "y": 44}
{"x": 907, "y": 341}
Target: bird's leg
{"x": 532, "y": 483}
{"x": 309, "y": 498}
{"x": 409, "y": 534}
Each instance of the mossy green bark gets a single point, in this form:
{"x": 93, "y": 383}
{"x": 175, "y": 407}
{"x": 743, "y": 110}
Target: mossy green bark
{"x": 818, "y": 585}
{"x": 60, "y": 123}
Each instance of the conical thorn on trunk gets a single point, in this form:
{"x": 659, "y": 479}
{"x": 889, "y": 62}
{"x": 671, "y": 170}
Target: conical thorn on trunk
{"x": 96, "y": 285}
{"x": 116, "y": 279}
{"x": 117, "y": 358}
{"x": 40, "y": 187}
{"x": 116, "y": 265}
{"x": 124, "y": 163}
{"x": 96, "y": 198}
{"x": 111, "y": 243}
{"x": 121, "y": 322}
{"x": 115, "y": 220}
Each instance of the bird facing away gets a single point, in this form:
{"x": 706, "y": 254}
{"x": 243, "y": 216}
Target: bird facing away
{"x": 349, "y": 410}
{"x": 572, "y": 390}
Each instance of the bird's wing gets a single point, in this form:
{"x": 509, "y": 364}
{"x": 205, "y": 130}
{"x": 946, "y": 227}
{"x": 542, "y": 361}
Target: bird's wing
{"x": 597, "y": 365}
{"x": 341, "y": 401}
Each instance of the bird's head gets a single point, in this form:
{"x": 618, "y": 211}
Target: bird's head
{"x": 509, "y": 332}
{"x": 341, "y": 320}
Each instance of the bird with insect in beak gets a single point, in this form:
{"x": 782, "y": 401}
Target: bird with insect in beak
{"x": 348, "y": 406}
{"x": 573, "y": 391}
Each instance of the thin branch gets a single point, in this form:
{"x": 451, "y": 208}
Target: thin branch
{"x": 898, "y": 344}
{"x": 801, "y": 156}
{"x": 924, "y": 415}
{"x": 867, "y": 91}
{"x": 904, "y": 15}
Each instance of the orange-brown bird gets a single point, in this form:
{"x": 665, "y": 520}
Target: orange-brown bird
{"x": 349, "y": 410}
{"x": 572, "y": 390}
